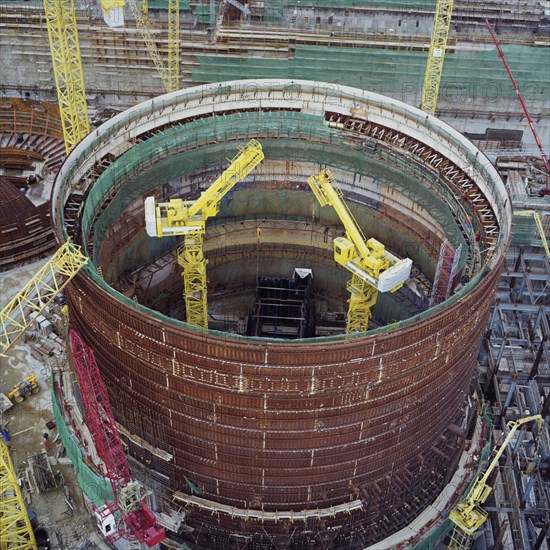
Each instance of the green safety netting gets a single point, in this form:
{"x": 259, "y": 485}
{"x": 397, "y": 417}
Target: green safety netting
{"x": 97, "y": 488}
{"x": 161, "y": 152}
{"x": 399, "y": 72}
{"x": 525, "y": 231}
{"x": 163, "y": 5}
{"x": 342, "y": 4}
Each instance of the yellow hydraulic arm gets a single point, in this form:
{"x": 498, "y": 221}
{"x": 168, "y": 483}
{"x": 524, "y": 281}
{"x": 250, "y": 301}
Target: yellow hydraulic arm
{"x": 15, "y": 527}
{"x": 373, "y": 268}
{"x": 188, "y": 219}
{"x": 468, "y": 516}
{"x": 48, "y": 281}
{"x": 536, "y": 217}
{"x": 67, "y": 69}
{"x": 436, "y": 54}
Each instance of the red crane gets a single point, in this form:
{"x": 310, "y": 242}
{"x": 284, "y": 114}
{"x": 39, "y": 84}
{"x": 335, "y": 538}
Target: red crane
{"x": 139, "y": 520}
{"x": 531, "y": 125}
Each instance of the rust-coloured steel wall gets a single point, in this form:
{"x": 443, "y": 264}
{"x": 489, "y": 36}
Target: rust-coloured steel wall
{"x": 355, "y": 435}
{"x": 281, "y": 426}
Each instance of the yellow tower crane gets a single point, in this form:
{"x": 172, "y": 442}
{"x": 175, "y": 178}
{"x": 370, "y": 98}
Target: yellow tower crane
{"x": 373, "y": 268}
{"x": 15, "y": 527}
{"x": 436, "y": 55}
{"x": 67, "y": 69}
{"x": 169, "y": 72}
{"x": 43, "y": 287}
{"x": 188, "y": 219}
{"x": 468, "y": 516}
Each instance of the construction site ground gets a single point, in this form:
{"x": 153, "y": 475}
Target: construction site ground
{"x": 60, "y": 511}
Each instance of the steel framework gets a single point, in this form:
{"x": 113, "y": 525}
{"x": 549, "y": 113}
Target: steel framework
{"x": 436, "y": 55}
{"x": 43, "y": 287}
{"x": 67, "y": 68}
{"x": 100, "y": 419}
{"x": 15, "y": 527}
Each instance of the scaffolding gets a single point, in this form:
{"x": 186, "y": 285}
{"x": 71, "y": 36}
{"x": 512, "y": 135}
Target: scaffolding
{"x": 515, "y": 374}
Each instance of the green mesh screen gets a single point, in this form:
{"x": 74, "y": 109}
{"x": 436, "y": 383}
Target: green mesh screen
{"x": 202, "y": 13}
{"x": 163, "y": 5}
{"x": 525, "y": 231}
{"x": 397, "y": 71}
{"x": 96, "y": 488}
{"x": 339, "y": 4}
{"x": 273, "y": 11}
{"x": 161, "y": 152}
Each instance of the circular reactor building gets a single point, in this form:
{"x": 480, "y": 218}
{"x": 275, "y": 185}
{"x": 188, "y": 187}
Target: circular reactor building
{"x": 273, "y": 428}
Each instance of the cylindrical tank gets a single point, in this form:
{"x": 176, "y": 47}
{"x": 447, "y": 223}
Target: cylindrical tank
{"x": 327, "y": 442}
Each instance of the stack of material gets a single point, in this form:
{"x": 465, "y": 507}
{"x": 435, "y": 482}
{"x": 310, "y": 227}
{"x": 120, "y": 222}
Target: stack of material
{"x": 41, "y": 473}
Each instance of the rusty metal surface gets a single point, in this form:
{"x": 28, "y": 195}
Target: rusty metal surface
{"x": 273, "y": 426}
{"x": 290, "y": 426}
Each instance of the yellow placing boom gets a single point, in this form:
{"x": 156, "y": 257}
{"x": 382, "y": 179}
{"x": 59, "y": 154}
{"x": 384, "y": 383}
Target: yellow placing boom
{"x": 15, "y": 527}
{"x": 188, "y": 219}
{"x": 469, "y": 515}
{"x": 43, "y": 287}
{"x": 373, "y": 268}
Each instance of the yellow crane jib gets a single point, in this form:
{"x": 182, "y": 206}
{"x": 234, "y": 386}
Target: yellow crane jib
{"x": 469, "y": 514}
{"x": 15, "y": 527}
{"x": 42, "y": 288}
{"x": 188, "y": 219}
{"x": 373, "y": 268}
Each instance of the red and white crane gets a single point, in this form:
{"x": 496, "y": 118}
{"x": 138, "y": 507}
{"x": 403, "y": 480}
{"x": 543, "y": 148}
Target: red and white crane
{"x": 138, "y": 520}
{"x": 529, "y": 120}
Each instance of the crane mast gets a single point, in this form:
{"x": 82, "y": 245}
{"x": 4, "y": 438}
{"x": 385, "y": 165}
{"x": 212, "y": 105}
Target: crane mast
{"x": 468, "y": 516}
{"x": 34, "y": 297}
{"x": 373, "y": 268}
{"x": 188, "y": 219}
{"x": 523, "y": 106}
{"x": 436, "y": 55}
{"x": 129, "y": 502}
{"x": 67, "y": 69}
{"x": 15, "y": 527}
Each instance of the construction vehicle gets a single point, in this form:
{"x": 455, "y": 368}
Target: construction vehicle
{"x": 373, "y": 268}
{"x": 25, "y": 388}
{"x": 188, "y": 219}
{"x": 468, "y": 516}
{"x": 129, "y": 501}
